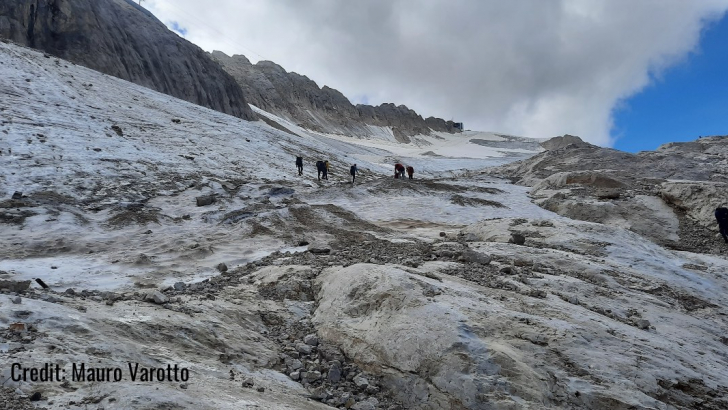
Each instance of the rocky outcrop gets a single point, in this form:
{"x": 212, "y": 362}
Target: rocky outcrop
{"x": 120, "y": 38}
{"x": 702, "y": 160}
{"x": 697, "y": 199}
{"x": 561, "y": 142}
{"x": 381, "y": 317}
{"x": 298, "y": 99}
{"x": 666, "y": 195}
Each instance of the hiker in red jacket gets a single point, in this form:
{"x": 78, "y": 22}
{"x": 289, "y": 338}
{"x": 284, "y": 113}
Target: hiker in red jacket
{"x": 398, "y": 170}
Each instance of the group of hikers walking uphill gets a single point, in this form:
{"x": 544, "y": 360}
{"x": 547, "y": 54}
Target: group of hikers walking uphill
{"x": 322, "y": 167}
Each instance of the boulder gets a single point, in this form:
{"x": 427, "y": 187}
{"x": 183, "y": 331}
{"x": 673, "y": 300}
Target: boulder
{"x": 334, "y": 373}
{"x": 311, "y": 340}
{"x": 472, "y": 256}
{"x": 205, "y": 200}
{"x": 517, "y": 238}
{"x": 381, "y": 319}
{"x": 14, "y": 285}
{"x": 158, "y": 297}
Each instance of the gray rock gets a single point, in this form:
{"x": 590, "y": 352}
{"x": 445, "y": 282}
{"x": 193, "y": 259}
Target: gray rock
{"x": 248, "y": 382}
{"x": 159, "y": 297}
{"x": 319, "y": 393}
{"x": 179, "y": 286}
{"x": 311, "y": 340}
{"x": 293, "y": 364}
{"x": 304, "y": 348}
{"x": 643, "y": 324}
{"x": 295, "y": 375}
{"x": 16, "y": 300}
{"x": 361, "y": 382}
{"x": 334, "y": 374}
{"x": 319, "y": 250}
{"x": 205, "y": 200}
{"x": 517, "y": 238}
{"x": 561, "y": 142}
{"x": 15, "y": 285}
{"x": 221, "y": 267}
{"x": 472, "y": 256}
{"x": 508, "y": 270}
{"x": 371, "y": 389}
{"x": 311, "y": 376}
{"x": 122, "y": 39}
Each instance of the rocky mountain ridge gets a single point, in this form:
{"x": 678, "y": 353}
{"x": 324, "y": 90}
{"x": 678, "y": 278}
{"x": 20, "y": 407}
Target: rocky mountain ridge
{"x": 299, "y": 99}
{"x": 122, "y": 39}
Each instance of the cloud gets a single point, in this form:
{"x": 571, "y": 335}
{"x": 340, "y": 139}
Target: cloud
{"x": 536, "y": 68}
{"x": 176, "y": 27}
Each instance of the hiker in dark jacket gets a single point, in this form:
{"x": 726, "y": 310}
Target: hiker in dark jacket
{"x": 353, "y": 171}
{"x": 410, "y": 171}
{"x": 299, "y": 165}
{"x": 721, "y": 214}
{"x": 322, "y": 169}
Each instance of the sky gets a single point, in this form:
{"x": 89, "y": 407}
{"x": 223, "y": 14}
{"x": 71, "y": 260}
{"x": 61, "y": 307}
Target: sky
{"x": 617, "y": 73}
{"x": 687, "y": 101}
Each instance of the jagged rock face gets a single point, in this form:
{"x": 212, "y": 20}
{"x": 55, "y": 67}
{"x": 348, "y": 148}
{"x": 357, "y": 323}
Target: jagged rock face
{"x": 299, "y": 99}
{"x": 120, "y": 38}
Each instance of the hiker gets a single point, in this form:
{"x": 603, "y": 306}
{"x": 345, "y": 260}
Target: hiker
{"x": 410, "y": 171}
{"x": 398, "y": 170}
{"x": 721, "y": 214}
{"x": 299, "y": 165}
{"x": 327, "y": 169}
{"x": 353, "y": 171}
{"x": 321, "y": 168}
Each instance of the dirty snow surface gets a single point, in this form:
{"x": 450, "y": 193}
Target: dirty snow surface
{"x": 449, "y": 291}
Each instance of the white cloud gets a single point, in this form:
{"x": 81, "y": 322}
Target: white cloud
{"x": 536, "y": 68}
